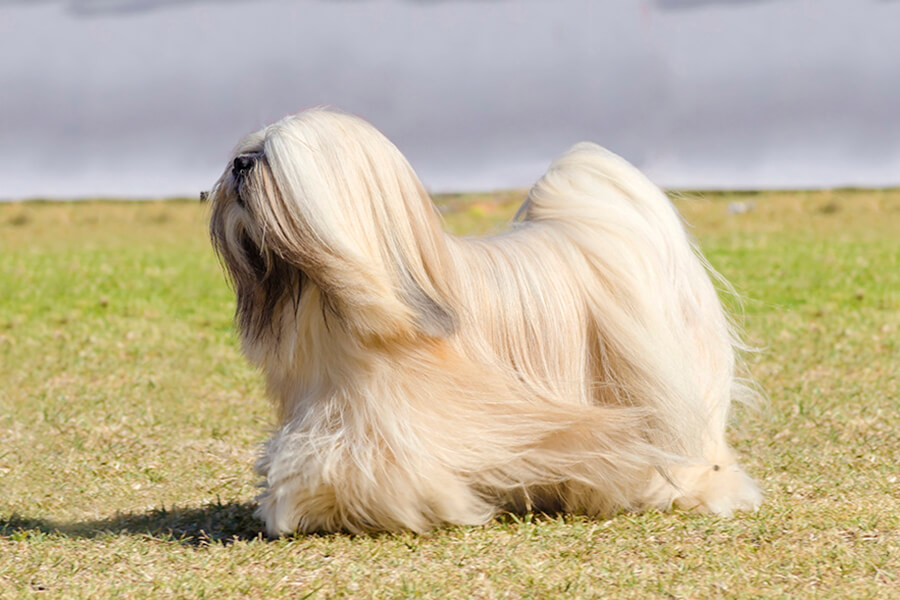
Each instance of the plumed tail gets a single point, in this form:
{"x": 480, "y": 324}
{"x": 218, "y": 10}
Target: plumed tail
{"x": 662, "y": 336}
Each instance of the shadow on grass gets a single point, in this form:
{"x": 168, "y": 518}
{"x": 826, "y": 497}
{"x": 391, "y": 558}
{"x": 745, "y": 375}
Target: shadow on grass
{"x": 212, "y": 523}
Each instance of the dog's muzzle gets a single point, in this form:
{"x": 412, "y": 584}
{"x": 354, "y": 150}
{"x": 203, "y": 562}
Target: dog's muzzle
{"x": 242, "y": 164}
{"x": 239, "y": 169}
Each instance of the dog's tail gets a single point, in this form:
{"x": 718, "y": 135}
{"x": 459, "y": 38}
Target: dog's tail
{"x": 662, "y": 336}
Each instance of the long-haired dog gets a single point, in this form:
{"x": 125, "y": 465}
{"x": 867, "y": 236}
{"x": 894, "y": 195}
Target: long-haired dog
{"x": 580, "y": 361}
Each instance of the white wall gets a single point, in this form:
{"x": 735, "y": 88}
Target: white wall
{"x": 146, "y": 98}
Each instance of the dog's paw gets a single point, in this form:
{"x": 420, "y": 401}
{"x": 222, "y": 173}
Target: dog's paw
{"x": 716, "y": 489}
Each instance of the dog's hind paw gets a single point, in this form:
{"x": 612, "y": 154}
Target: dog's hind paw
{"x": 720, "y": 490}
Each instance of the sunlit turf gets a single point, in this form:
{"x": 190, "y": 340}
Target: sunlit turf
{"x": 129, "y": 423}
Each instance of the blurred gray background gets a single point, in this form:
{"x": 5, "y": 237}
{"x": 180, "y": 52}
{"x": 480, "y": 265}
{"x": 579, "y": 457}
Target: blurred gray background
{"x": 143, "y": 98}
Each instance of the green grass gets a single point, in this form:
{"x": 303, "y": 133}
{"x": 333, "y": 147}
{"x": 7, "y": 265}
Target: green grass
{"x": 129, "y": 424}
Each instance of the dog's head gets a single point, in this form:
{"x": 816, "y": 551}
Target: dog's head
{"x": 323, "y": 201}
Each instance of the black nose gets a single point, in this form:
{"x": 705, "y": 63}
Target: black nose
{"x": 242, "y": 164}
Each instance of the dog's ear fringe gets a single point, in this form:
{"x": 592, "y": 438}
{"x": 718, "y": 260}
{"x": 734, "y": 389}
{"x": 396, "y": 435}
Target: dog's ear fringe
{"x": 381, "y": 258}
{"x": 431, "y": 316}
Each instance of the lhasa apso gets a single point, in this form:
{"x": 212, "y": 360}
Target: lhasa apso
{"x": 580, "y": 361}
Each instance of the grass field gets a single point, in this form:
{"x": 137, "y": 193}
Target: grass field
{"x": 129, "y": 424}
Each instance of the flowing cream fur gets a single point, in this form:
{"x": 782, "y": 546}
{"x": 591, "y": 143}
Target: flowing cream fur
{"x": 580, "y": 361}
